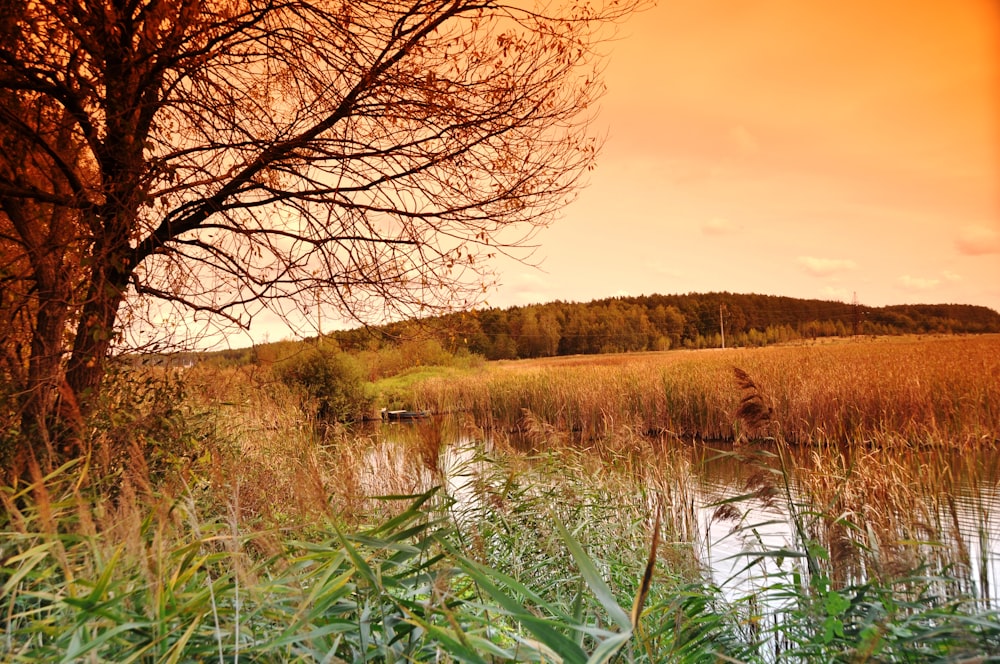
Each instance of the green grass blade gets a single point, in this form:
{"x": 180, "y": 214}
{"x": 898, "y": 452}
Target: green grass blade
{"x": 609, "y": 647}
{"x": 594, "y": 580}
{"x": 79, "y": 648}
{"x": 541, "y": 628}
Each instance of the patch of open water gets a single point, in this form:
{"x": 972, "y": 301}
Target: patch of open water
{"x": 952, "y": 526}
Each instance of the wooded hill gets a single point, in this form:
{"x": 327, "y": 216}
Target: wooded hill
{"x": 660, "y": 322}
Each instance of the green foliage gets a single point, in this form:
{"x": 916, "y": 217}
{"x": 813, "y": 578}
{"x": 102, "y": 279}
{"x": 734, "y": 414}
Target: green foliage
{"x": 396, "y": 392}
{"x": 179, "y": 589}
{"x": 902, "y": 619}
{"x": 563, "y": 550}
{"x": 66, "y": 597}
{"x": 426, "y": 585}
{"x": 332, "y": 380}
{"x": 142, "y": 417}
{"x": 659, "y": 322}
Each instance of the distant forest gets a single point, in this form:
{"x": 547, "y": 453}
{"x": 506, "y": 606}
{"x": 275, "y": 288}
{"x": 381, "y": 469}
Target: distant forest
{"x": 661, "y": 322}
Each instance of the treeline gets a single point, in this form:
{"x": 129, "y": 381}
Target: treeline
{"x": 661, "y": 322}
{"x": 626, "y": 324}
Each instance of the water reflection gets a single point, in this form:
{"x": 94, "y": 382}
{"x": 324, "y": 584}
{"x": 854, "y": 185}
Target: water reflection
{"x": 871, "y": 512}
{"x": 868, "y": 512}
{"x": 413, "y": 456}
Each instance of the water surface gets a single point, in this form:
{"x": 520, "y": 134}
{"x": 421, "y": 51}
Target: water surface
{"x": 909, "y": 508}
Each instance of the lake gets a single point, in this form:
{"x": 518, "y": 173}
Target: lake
{"x": 885, "y": 512}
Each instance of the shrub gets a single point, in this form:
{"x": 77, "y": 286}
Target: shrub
{"x": 143, "y": 420}
{"x": 333, "y": 381}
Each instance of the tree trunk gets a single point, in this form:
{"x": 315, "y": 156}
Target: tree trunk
{"x": 93, "y": 339}
{"x": 39, "y": 415}
{"x": 45, "y": 238}
{"x": 91, "y": 344}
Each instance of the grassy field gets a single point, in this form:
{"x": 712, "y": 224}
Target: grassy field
{"x": 218, "y": 520}
{"x": 935, "y": 390}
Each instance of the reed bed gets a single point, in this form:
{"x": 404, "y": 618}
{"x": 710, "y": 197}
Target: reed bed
{"x": 914, "y": 391}
{"x": 545, "y": 560}
{"x": 244, "y": 530}
{"x": 880, "y": 514}
{"x": 268, "y": 458}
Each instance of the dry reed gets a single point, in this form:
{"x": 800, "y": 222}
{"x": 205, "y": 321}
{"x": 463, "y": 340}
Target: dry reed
{"x": 937, "y": 391}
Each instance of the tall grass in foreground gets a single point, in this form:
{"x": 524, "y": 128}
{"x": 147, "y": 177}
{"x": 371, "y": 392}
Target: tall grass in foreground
{"x": 941, "y": 391}
{"x": 543, "y": 562}
{"x": 190, "y": 591}
{"x": 254, "y": 538}
{"x": 174, "y": 586}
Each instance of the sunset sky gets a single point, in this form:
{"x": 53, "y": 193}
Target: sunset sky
{"x": 811, "y": 149}
{"x": 807, "y": 148}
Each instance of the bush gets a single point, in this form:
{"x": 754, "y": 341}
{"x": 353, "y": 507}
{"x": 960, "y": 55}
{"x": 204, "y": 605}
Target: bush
{"x": 332, "y": 380}
{"x": 142, "y": 421}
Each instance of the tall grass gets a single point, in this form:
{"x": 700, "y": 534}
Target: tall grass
{"x": 240, "y": 532}
{"x": 940, "y": 391}
{"x": 155, "y": 579}
{"x": 543, "y": 566}
{"x": 181, "y": 589}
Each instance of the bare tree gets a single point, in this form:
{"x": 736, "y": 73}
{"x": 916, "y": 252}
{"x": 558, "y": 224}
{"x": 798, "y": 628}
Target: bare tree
{"x": 219, "y": 156}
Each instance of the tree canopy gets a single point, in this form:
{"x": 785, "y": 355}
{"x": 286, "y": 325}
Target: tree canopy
{"x": 172, "y": 162}
{"x": 660, "y": 322}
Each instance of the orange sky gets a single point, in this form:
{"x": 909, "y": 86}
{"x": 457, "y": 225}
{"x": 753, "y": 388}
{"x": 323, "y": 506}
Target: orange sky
{"x": 806, "y": 148}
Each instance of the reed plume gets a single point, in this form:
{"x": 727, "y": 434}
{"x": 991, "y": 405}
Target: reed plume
{"x": 753, "y": 416}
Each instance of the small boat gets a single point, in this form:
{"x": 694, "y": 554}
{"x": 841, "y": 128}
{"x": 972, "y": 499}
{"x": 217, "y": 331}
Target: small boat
{"x": 404, "y": 415}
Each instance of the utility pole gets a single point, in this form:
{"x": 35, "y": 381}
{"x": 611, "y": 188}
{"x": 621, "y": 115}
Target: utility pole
{"x": 856, "y": 314}
{"x": 722, "y": 327}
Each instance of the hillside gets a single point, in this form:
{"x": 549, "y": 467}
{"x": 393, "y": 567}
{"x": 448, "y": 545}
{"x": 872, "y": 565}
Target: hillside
{"x": 660, "y": 322}
{"x": 650, "y": 322}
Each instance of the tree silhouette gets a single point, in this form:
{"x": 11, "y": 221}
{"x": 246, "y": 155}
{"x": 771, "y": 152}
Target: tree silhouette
{"x": 200, "y": 160}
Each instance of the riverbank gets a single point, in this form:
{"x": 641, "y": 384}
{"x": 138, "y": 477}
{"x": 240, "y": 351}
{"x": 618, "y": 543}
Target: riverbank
{"x": 217, "y": 518}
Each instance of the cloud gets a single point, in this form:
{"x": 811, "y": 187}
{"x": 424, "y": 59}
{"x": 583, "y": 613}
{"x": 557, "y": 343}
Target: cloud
{"x": 520, "y": 288}
{"x": 912, "y": 283}
{"x": 917, "y": 283}
{"x": 824, "y": 267}
{"x": 978, "y": 240}
{"x": 717, "y": 226}
{"x": 837, "y": 294}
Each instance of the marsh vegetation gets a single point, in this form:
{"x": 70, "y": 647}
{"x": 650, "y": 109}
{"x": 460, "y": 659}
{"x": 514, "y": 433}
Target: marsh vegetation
{"x": 883, "y": 392}
{"x": 828, "y": 502}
